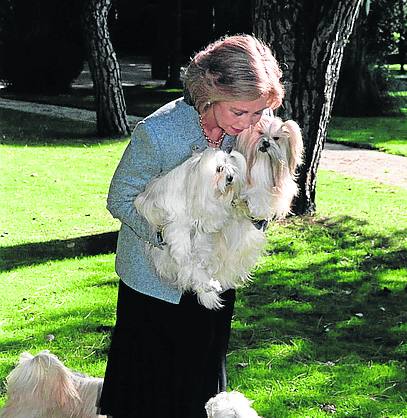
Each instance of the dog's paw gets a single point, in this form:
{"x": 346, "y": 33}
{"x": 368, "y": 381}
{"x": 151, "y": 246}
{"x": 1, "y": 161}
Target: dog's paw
{"x": 210, "y": 299}
{"x": 215, "y": 284}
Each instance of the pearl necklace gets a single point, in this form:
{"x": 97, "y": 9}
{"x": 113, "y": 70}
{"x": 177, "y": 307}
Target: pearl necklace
{"x": 215, "y": 142}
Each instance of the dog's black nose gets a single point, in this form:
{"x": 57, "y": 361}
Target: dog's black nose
{"x": 229, "y": 179}
{"x": 264, "y": 145}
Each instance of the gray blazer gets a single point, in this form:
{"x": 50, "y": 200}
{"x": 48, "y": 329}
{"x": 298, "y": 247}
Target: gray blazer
{"x": 158, "y": 144}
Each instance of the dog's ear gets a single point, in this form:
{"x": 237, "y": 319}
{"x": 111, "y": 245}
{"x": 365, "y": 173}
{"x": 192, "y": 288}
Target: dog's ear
{"x": 295, "y": 145}
{"x": 55, "y": 381}
{"x": 240, "y": 162}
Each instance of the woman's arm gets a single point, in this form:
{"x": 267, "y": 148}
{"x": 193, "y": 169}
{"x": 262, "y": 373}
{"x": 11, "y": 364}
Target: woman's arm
{"x": 141, "y": 162}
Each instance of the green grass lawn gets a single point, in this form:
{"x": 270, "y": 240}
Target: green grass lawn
{"x": 324, "y": 321}
{"x": 387, "y": 134}
{"x": 43, "y": 176}
{"x": 323, "y": 325}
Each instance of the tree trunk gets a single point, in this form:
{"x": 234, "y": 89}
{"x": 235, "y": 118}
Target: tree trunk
{"x": 355, "y": 77}
{"x": 174, "y": 80}
{"x": 160, "y": 54}
{"x": 362, "y": 76}
{"x": 105, "y": 70}
{"x": 308, "y": 38}
{"x": 403, "y": 35}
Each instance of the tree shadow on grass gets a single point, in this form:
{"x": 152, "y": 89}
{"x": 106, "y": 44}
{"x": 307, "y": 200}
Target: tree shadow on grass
{"x": 351, "y": 300}
{"x": 140, "y": 100}
{"x": 346, "y": 300}
{"x": 82, "y": 331}
{"x": 322, "y": 319}
{"x": 31, "y": 129}
{"x": 74, "y": 332}
{"x": 81, "y": 336}
{"x": 37, "y": 253}
{"x": 23, "y": 128}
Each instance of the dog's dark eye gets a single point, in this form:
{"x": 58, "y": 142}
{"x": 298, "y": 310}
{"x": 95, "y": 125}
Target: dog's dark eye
{"x": 276, "y": 138}
{"x": 219, "y": 169}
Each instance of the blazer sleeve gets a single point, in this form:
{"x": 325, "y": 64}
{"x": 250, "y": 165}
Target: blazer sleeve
{"x": 141, "y": 162}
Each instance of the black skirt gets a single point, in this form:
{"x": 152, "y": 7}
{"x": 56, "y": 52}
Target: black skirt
{"x": 165, "y": 360}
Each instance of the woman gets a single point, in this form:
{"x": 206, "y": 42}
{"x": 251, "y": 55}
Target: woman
{"x": 168, "y": 352}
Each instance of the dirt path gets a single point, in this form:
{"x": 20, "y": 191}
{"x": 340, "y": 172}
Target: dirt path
{"x": 56, "y": 111}
{"x": 365, "y": 164}
{"x": 354, "y": 162}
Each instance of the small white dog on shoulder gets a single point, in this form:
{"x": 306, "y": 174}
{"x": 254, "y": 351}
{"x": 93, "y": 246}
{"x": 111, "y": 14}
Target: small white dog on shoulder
{"x": 230, "y": 405}
{"x": 273, "y": 150}
{"x": 42, "y": 387}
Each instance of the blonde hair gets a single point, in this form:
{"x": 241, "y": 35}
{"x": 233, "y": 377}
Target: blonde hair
{"x": 238, "y": 67}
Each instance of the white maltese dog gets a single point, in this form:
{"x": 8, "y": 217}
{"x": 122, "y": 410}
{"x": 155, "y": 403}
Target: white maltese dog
{"x": 42, "y": 387}
{"x": 189, "y": 206}
{"x": 230, "y": 405}
{"x": 205, "y": 208}
{"x": 273, "y": 150}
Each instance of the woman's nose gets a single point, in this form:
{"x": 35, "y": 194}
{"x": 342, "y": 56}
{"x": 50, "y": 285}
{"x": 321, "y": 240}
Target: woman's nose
{"x": 248, "y": 120}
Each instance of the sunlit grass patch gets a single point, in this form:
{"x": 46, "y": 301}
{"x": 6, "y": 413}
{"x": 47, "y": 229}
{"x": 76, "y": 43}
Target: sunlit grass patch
{"x": 321, "y": 326}
{"x": 321, "y": 329}
{"x": 387, "y": 134}
{"x": 56, "y": 190}
{"x": 398, "y": 93}
{"x": 73, "y": 301}
{"x": 298, "y": 385}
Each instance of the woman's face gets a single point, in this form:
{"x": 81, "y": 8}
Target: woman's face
{"x": 233, "y": 117}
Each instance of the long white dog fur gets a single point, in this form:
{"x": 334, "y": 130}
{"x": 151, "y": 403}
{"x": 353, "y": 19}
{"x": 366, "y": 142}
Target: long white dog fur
{"x": 230, "y": 405}
{"x": 42, "y": 387}
{"x": 190, "y": 205}
{"x": 273, "y": 150}
{"x": 204, "y": 209}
